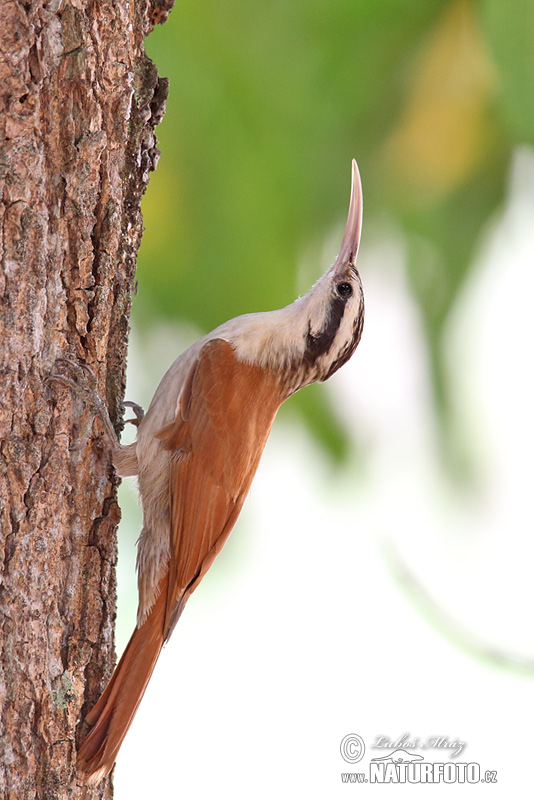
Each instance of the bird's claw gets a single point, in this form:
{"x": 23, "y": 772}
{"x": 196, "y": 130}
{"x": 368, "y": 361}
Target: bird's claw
{"x": 138, "y": 412}
{"x": 83, "y": 383}
{"x": 81, "y": 369}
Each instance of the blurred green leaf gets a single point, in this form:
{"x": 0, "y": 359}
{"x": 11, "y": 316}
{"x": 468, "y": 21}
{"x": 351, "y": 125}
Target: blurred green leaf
{"x": 314, "y": 405}
{"x": 510, "y": 31}
{"x": 267, "y": 106}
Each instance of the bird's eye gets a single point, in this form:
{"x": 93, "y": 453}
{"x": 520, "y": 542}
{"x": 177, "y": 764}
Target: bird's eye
{"x": 344, "y": 289}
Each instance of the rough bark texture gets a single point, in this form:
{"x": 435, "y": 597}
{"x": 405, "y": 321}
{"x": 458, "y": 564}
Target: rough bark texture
{"x": 79, "y": 101}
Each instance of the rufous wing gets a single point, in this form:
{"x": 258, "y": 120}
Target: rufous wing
{"x": 226, "y": 412}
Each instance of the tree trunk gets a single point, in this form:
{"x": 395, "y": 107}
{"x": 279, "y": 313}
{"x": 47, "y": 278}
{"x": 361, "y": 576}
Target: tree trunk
{"x": 79, "y": 103}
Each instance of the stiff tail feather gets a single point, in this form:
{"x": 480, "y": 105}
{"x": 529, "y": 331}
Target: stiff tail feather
{"x": 113, "y": 714}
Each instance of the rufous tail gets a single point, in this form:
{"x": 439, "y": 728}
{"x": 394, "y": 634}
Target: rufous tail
{"x": 113, "y": 714}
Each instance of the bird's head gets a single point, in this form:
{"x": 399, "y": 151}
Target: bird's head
{"x": 334, "y": 307}
{"x": 313, "y": 337}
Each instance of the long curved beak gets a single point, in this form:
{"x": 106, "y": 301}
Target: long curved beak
{"x": 353, "y": 229}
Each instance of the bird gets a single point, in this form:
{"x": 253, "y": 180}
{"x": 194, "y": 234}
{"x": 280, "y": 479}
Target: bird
{"x": 196, "y": 452}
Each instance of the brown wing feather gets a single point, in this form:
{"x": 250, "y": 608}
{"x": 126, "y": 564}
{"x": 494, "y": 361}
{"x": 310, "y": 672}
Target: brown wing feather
{"x": 224, "y": 419}
{"x": 217, "y": 439}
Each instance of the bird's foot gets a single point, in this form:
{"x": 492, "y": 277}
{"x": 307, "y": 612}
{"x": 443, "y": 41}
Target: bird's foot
{"x": 82, "y": 380}
{"x": 138, "y": 412}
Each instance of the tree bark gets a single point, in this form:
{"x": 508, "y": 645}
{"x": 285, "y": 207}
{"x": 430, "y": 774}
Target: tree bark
{"x": 79, "y": 100}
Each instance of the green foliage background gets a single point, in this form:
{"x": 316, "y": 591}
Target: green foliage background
{"x": 268, "y": 104}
